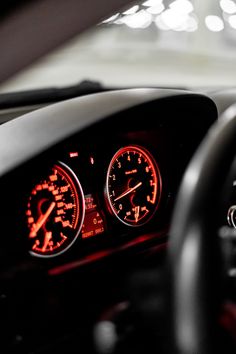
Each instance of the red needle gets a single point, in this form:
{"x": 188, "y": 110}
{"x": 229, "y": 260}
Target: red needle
{"x": 41, "y": 220}
{"x": 128, "y": 191}
{"x": 136, "y": 213}
{"x": 48, "y": 236}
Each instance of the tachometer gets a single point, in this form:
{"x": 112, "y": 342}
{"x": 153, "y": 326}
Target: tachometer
{"x": 133, "y": 185}
{"x": 55, "y": 212}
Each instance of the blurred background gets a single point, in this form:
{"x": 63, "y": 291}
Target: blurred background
{"x": 161, "y": 43}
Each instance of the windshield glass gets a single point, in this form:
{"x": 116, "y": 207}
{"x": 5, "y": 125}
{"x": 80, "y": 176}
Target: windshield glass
{"x": 159, "y": 43}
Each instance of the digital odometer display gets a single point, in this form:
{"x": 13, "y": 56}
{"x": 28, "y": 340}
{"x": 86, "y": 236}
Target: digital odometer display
{"x": 55, "y": 212}
{"x": 93, "y": 221}
{"x": 133, "y": 185}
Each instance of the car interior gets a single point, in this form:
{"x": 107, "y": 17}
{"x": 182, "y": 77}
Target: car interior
{"x": 117, "y": 209}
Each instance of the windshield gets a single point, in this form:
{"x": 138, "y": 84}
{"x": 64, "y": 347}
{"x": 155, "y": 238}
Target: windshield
{"x": 178, "y": 43}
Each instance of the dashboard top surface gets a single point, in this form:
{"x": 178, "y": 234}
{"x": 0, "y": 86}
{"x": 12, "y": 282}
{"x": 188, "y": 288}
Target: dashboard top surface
{"x": 38, "y": 130}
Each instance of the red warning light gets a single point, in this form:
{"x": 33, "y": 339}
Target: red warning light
{"x": 91, "y": 160}
{"x": 74, "y": 154}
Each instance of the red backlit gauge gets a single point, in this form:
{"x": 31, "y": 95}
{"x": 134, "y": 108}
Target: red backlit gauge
{"x": 133, "y": 185}
{"x": 55, "y": 212}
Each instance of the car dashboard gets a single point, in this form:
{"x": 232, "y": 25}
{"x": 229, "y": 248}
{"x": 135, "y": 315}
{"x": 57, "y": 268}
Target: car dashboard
{"x": 87, "y": 192}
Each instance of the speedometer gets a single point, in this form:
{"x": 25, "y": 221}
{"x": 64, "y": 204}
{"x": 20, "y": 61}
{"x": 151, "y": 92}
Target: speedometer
{"x": 55, "y": 212}
{"x": 133, "y": 185}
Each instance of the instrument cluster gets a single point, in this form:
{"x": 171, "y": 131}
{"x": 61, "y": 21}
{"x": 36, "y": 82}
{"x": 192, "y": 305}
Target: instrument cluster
{"x": 64, "y": 205}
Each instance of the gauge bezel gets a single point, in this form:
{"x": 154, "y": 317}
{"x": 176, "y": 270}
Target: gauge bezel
{"x": 155, "y": 167}
{"x": 79, "y": 191}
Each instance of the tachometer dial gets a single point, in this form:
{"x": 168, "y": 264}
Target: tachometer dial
{"x": 55, "y": 212}
{"x": 133, "y": 185}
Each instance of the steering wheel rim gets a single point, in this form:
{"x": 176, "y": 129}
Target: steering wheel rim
{"x": 193, "y": 251}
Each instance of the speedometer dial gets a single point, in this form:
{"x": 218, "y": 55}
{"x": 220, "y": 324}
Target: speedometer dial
{"x": 133, "y": 185}
{"x": 55, "y": 212}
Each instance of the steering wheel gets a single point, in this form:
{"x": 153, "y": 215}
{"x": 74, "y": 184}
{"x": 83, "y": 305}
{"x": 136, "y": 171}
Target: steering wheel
{"x": 194, "y": 252}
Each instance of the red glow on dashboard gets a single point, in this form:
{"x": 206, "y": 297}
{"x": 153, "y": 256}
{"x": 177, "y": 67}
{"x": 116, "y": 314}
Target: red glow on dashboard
{"x": 109, "y": 252}
{"x": 228, "y": 318}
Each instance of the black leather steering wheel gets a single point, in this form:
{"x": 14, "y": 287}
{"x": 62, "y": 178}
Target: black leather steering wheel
{"x": 195, "y": 259}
